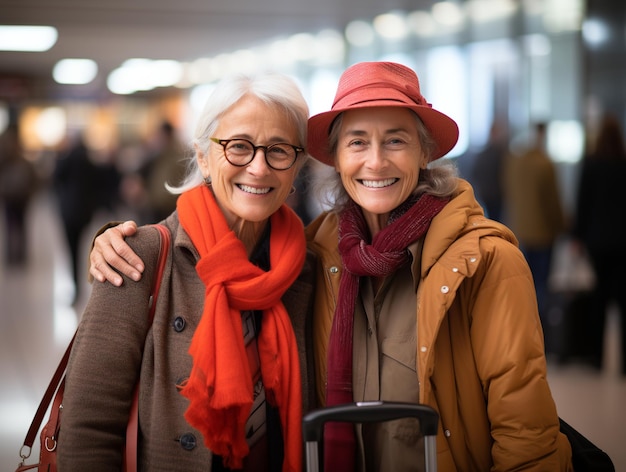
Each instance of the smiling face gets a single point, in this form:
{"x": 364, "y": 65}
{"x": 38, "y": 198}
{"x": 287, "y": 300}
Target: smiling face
{"x": 251, "y": 193}
{"x": 379, "y": 157}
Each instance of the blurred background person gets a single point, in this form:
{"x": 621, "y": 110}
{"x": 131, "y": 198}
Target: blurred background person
{"x": 81, "y": 187}
{"x": 18, "y": 184}
{"x": 164, "y": 165}
{"x": 534, "y": 209}
{"x": 600, "y": 226}
{"x": 486, "y": 174}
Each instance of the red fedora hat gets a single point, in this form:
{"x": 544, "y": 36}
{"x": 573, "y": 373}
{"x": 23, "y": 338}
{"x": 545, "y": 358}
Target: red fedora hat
{"x": 380, "y": 84}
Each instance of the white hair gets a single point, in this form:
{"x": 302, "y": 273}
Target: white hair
{"x": 272, "y": 88}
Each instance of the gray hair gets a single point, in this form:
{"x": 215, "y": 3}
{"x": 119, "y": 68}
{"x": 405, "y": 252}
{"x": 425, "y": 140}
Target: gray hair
{"x": 440, "y": 178}
{"x": 272, "y": 88}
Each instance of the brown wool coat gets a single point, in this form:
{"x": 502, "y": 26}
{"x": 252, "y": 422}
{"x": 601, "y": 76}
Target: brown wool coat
{"x": 115, "y": 345}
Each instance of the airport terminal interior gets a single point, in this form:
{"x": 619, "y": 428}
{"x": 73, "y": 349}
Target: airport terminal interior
{"x": 513, "y": 62}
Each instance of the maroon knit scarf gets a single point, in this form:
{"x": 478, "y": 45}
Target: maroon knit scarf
{"x": 387, "y": 252}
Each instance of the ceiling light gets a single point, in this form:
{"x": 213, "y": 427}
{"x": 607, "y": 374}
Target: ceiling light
{"x": 595, "y": 32}
{"x": 360, "y": 33}
{"x": 447, "y": 13}
{"x": 422, "y": 23}
{"x": 391, "y": 26}
{"x": 74, "y": 71}
{"x": 27, "y": 38}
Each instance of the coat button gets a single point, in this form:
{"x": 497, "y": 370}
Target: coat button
{"x": 444, "y": 289}
{"x": 179, "y": 324}
{"x": 187, "y": 441}
{"x": 447, "y": 433}
{"x": 334, "y": 270}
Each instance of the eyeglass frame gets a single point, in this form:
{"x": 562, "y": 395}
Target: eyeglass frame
{"x": 255, "y": 148}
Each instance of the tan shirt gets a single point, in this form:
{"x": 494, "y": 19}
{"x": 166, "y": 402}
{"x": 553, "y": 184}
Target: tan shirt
{"x": 385, "y": 340}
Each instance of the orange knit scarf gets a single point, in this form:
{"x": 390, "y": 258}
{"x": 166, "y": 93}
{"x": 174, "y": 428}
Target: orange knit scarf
{"x": 220, "y": 387}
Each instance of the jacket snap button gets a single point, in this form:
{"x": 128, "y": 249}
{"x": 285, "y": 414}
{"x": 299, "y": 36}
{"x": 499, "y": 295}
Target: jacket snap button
{"x": 445, "y": 289}
{"x": 179, "y": 324}
{"x": 447, "y": 433}
{"x": 334, "y": 270}
{"x": 187, "y": 441}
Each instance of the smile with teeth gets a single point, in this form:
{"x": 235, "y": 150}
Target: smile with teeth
{"x": 379, "y": 183}
{"x": 254, "y": 190}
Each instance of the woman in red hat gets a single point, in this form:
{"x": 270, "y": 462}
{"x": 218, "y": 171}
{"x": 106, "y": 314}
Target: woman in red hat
{"x": 435, "y": 303}
{"x": 419, "y": 297}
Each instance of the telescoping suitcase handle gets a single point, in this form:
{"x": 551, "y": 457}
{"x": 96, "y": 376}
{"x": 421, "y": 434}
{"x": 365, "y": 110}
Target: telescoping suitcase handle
{"x": 367, "y": 412}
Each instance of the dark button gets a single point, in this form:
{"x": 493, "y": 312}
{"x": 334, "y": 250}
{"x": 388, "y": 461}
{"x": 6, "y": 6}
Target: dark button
{"x": 179, "y": 324}
{"x": 187, "y": 441}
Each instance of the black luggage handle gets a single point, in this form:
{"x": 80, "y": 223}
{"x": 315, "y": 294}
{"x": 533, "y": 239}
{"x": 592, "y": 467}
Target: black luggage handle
{"x": 365, "y": 412}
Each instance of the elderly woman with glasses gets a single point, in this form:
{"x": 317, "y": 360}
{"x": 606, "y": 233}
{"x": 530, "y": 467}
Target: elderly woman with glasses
{"x": 223, "y": 374}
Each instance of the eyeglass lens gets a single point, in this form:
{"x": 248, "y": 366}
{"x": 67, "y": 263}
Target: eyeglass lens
{"x": 279, "y": 156}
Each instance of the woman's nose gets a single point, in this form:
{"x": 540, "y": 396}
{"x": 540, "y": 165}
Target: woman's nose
{"x": 258, "y": 165}
{"x": 375, "y": 158}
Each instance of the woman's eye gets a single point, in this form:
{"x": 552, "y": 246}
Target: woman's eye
{"x": 396, "y": 144}
{"x": 238, "y": 147}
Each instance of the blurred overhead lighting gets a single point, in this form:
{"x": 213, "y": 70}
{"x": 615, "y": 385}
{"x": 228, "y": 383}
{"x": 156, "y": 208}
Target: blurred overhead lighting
{"x": 74, "y": 71}
{"x": 422, "y": 23}
{"x": 595, "y": 32}
{"x": 330, "y": 48}
{"x": 302, "y": 46}
{"x": 360, "y": 33}
{"x": 139, "y": 74}
{"x": 482, "y": 11}
{"x": 391, "y": 26}
{"x": 27, "y": 38}
{"x": 563, "y": 15}
{"x": 448, "y": 14}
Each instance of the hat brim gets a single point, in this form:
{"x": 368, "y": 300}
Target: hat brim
{"x": 443, "y": 129}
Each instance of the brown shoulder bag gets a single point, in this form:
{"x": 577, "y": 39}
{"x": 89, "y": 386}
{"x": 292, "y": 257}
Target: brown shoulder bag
{"x": 49, "y": 433}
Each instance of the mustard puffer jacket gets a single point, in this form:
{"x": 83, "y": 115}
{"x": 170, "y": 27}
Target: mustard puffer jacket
{"x": 480, "y": 348}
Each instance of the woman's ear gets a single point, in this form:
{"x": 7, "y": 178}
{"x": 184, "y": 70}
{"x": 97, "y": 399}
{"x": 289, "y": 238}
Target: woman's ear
{"x": 203, "y": 160}
{"x": 423, "y": 162}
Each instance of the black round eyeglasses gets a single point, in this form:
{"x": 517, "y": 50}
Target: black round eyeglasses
{"x": 240, "y": 152}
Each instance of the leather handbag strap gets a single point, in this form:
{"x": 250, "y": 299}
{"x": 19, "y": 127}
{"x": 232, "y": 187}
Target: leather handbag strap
{"x": 132, "y": 430}
{"x": 57, "y": 383}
